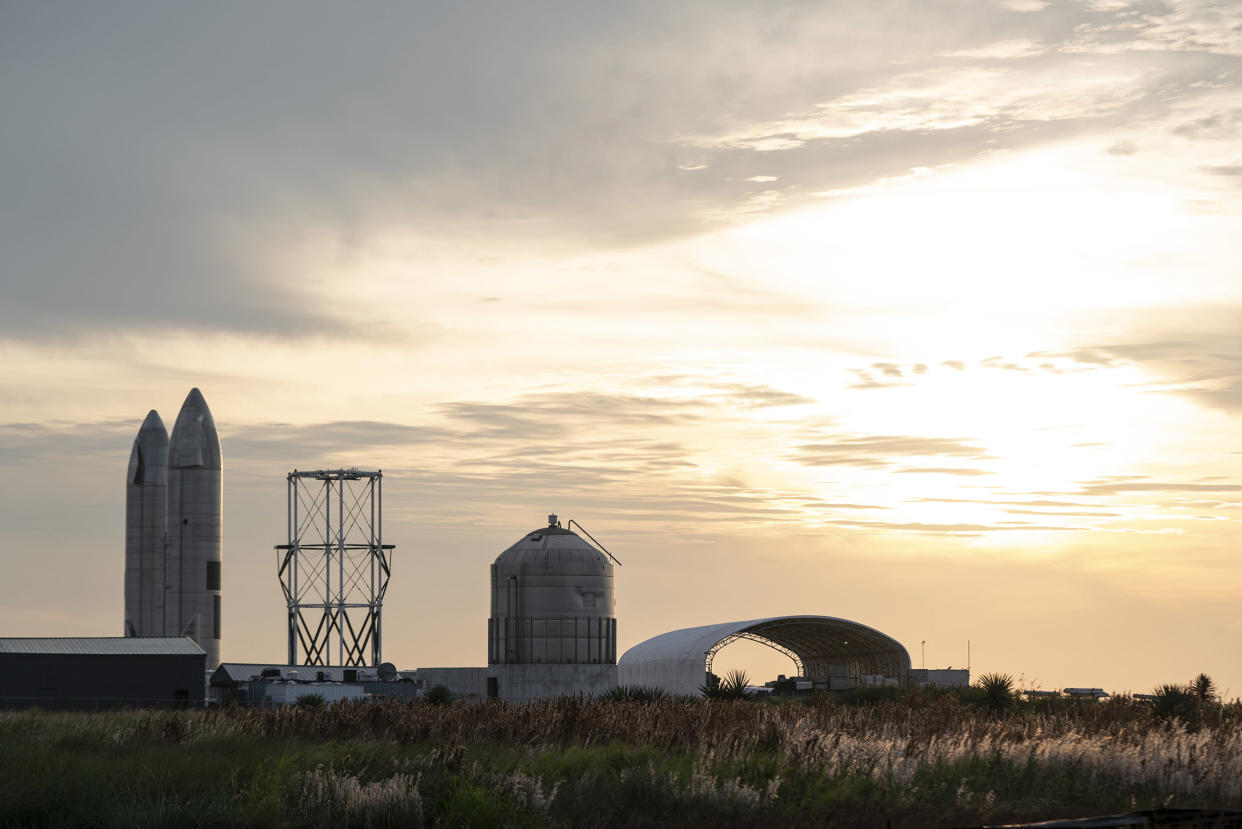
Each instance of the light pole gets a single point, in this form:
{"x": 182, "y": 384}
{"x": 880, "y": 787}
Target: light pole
{"x": 924, "y": 654}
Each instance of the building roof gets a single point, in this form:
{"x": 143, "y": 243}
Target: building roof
{"x": 556, "y": 548}
{"x": 230, "y": 673}
{"x": 106, "y": 646}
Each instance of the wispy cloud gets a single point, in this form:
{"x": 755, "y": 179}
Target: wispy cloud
{"x": 882, "y": 451}
{"x": 1123, "y": 487}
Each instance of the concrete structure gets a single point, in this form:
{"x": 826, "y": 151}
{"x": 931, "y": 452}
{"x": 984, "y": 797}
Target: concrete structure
{"x": 146, "y": 485}
{"x": 553, "y": 628}
{"x": 1084, "y": 693}
{"x": 520, "y": 683}
{"x": 256, "y": 683}
{"x": 192, "y": 567}
{"x": 288, "y": 693}
{"x": 101, "y": 672}
{"x": 832, "y": 653}
{"x": 468, "y": 684}
{"x": 940, "y": 677}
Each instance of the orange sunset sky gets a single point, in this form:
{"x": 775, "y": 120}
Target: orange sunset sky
{"x": 922, "y": 314}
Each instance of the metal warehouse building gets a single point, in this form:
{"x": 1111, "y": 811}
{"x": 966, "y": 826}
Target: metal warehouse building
{"x": 833, "y": 653}
{"x": 101, "y": 672}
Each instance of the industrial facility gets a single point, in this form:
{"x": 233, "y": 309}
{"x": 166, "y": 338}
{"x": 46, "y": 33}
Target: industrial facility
{"x": 553, "y": 632}
{"x": 552, "y": 628}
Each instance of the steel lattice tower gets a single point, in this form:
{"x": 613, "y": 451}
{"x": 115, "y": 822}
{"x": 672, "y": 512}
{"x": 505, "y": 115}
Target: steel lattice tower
{"x": 334, "y": 570}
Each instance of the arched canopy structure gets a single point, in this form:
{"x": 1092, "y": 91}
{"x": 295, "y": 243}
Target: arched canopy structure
{"x": 832, "y": 652}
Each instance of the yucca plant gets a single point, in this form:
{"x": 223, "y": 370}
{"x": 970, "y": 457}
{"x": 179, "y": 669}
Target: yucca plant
{"x": 997, "y": 691}
{"x": 1173, "y": 701}
{"x": 1203, "y": 689}
{"x": 733, "y": 686}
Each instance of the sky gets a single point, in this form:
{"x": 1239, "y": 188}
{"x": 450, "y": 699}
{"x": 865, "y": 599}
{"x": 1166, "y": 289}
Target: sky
{"x": 920, "y": 314}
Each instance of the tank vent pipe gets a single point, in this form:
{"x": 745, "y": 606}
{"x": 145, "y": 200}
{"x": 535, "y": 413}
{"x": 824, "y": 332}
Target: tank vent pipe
{"x": 570, "y": 526}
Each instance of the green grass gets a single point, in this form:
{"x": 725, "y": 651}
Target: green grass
{"x": 918, "y": 759}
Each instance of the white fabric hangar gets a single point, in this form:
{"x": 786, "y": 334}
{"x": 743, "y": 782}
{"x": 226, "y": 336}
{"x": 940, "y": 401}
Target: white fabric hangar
{"x": 834, "y": 653}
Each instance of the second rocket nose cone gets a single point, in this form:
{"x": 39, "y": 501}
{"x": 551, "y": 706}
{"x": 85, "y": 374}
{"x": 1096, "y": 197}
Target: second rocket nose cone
{"x": 194, "y": 441}
{"x": 153, "y": 424}
{"x": 149, "y": 457}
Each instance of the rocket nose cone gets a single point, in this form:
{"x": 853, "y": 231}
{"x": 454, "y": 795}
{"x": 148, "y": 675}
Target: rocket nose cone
{"x": 149, "y": 456}
{"x": 194, "y": 441}
{"x": 153, "y": 425}
{"x": 195, "y": 403}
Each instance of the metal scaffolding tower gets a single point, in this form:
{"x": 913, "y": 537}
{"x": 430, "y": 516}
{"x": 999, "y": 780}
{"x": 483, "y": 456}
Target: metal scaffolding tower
{"x": 334, "y": 570}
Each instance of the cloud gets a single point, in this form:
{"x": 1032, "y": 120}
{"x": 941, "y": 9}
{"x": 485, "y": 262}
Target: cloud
{"x": 1188, "y": 26}
{"x": 887, "y": 369}
{"x": 1002, "y": 49}
{"x": 1221, "y": 124}
{"x": 1204, "y": 364}
{"x": 950, "y": 528}
{"x": 1025, "y": 6}
{"x": 1227, "y": 170}
{"x": 1122, "y": 487}
{"x": 882, "y": 451}
{"x": 1066, "y": 514}
{"x": 866, "y": 381}
{"x": 1022, "y": 503}
{"x": 943, "y": 470}
{"x": 181, "y": 171}
{"x": 330, "y": 438}
{"x": 945, "y": 98}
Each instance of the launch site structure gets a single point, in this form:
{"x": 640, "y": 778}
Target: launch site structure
{"x": 334, "y": 570}
{"x": 173, "y": 515}
{"x": 146, "y": 522}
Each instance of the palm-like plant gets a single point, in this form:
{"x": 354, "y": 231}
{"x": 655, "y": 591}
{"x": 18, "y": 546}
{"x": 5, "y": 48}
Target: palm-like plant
{"x": 1173, "y": 702}
{"x": 997, "y": 690}
{"x": 1202, "y": 688}
{"x": 733, "y": 686}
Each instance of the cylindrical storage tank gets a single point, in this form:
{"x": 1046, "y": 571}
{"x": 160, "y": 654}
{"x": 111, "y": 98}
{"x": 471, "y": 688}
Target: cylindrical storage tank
{"x": 552, "y": 602}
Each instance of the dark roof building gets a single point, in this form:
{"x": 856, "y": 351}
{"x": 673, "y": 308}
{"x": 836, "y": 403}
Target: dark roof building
{"x": 101, "y": 672}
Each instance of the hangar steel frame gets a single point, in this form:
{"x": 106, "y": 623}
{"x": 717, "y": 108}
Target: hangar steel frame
{"x": 826, "y": 649}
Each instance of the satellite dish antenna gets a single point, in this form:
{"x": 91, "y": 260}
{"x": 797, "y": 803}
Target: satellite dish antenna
{"x": 387, "y": 672}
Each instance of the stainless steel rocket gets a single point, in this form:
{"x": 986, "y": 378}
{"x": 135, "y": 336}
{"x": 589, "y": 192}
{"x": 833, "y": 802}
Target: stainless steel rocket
{"x": 192, "y": 564}
{"x": 145, "y": 522}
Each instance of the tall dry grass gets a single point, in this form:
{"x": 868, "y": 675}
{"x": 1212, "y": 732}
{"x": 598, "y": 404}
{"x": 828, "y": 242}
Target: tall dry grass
{"x": 890, "y": 741}
{"x": 922, "y": 759}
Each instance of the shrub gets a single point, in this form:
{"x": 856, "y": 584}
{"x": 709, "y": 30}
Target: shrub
{"x": 439, "y": 695}
{"x": 1173, "y": 702}
{"x": 311, "y": 701}
{"x": 633, "y": 693}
